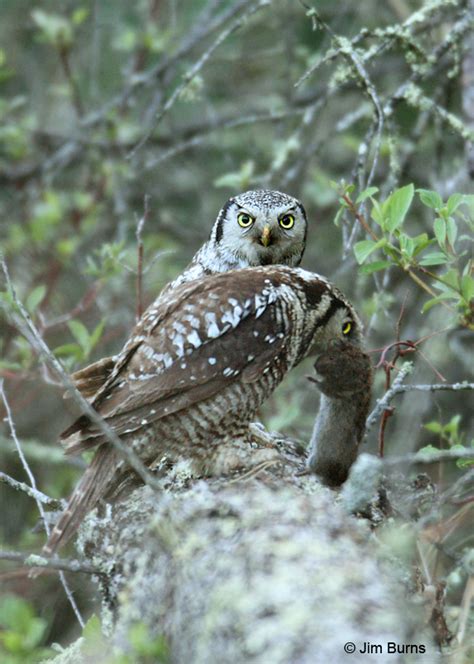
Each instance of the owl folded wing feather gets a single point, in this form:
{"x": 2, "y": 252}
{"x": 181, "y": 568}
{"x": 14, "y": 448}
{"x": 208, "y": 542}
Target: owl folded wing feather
{"x": 190, "y": 356}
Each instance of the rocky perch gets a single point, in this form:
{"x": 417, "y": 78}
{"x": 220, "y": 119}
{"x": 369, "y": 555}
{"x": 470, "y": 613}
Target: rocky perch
{"x": 267, "y": 569}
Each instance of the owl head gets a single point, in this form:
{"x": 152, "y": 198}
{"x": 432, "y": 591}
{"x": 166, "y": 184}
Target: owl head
{"x": 261, "y": 227}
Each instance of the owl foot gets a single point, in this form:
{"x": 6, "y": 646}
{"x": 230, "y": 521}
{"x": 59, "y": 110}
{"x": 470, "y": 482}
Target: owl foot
{"x": 243, "y": 455}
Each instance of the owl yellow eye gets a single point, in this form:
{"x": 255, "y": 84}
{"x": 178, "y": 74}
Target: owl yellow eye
{"x": 245, "y": 220}
{"x": 287, "y": 221}
{"x": 347, "y": 327}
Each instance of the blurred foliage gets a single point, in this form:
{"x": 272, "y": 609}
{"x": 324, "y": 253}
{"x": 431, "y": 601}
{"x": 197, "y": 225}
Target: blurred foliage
{"x": 21, "y": 632}
{"x": 102, "y": 103}
{"x": 450, "y": 435}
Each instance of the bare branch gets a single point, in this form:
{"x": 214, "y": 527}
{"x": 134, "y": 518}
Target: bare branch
{"x": 61, "y": 564}
{"x": 458, "y": 30}
{"x": 30, "y": 491}
{"x": 429, "y": 457}
{"x": 31, "y": 477}
{"x": 27, "y": 328}
{"x": 382, "y": 403}
{"x": 64, "y": 53}
{"x": 205, "y": 29}
{"x": 221, "y": 123}
{"x": 37, "y": 451}
{"x": 140, "y": 226}
{"x": 195, "y": 69}
{"x": 348, "y": 52}
{"x": 397, "y": 388}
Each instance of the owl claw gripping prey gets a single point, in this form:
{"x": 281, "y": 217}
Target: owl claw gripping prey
{"x": 197, "y": 368}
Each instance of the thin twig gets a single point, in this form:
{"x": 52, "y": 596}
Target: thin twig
{"x": 32, "y": 479}
{"x": 398, "y": 388}
{"x": 28, "y": 329}
{"x": 61, "y": 564}
{"x": 30, "y": 491}
{"x": 466, "y": 603}
{"x": 140, "y": 226}
{"x": 360, "y": 217}
{"x": 383, "y": 402}
{"x": 205, "y": 29}
{"x": 64, "y": 53}
{"x": 206, "y": 132}
{"x": 195, "y": 69}
{"x": 429, "y": 457}
{"x": 36, "y": 451}
{"x": 350, "y": 54}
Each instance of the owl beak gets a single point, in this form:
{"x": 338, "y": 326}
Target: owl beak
{"x": 266, "y": 236}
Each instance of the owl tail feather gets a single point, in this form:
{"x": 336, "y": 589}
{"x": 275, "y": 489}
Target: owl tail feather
{"x": 92, "y": 486}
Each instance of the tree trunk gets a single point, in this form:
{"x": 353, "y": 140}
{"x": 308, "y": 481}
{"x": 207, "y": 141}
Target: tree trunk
{"x": 267, "y": 569}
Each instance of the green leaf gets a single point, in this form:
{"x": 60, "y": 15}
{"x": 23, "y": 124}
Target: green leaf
{"x": 80, "y": 334}
{"x": 35, "y": 298}
{"x": 55, "y": 28}
{"x": 369, "y": 268}
{"x": 68, "y": 350}
{"x": 339, "y": 214}
{"x": 451, "y": 230}
{"x": 450, "y": 281}
{"x": 79, "y": 15}
{"x": 421, "y": 242}
{"x": 407, "y": 245}
{"x": 96, "y": 334}
{"x": 430, "y": 198}
{"x": 468, "y": 200}
{"x": 94, "y": 641}
{"x": 452, "y": 427}
{"x": 434, "y": 427}
{"x": 436, "y": 300}
{"x": 377, "y": 213}
{"x": 15, "y": 613}
{"x": 92, "y": 628}
{"x": 439, "y": 228}
{"x": 467, "y": 287}
{"x": 434, "y": 258}
{"x": 237, "y": 180}
{"x": 363, "y": 249}
{"x": 454, "y": 201}
{"x": 400, "y": 202}
{"x": 370, "y": 191}
{"x": 428, "y": 449}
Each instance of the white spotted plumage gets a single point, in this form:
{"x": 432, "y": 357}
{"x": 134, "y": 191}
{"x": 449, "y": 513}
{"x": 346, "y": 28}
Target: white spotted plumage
{"x": 125, "y": 375}
{"x": 268, "y": 318}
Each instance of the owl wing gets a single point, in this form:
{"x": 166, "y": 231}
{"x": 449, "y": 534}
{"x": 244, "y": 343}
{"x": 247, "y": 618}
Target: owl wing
{"x": 206, "y": 336}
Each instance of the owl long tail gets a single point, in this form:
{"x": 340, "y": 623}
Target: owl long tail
{"x": 92, "y": 486}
